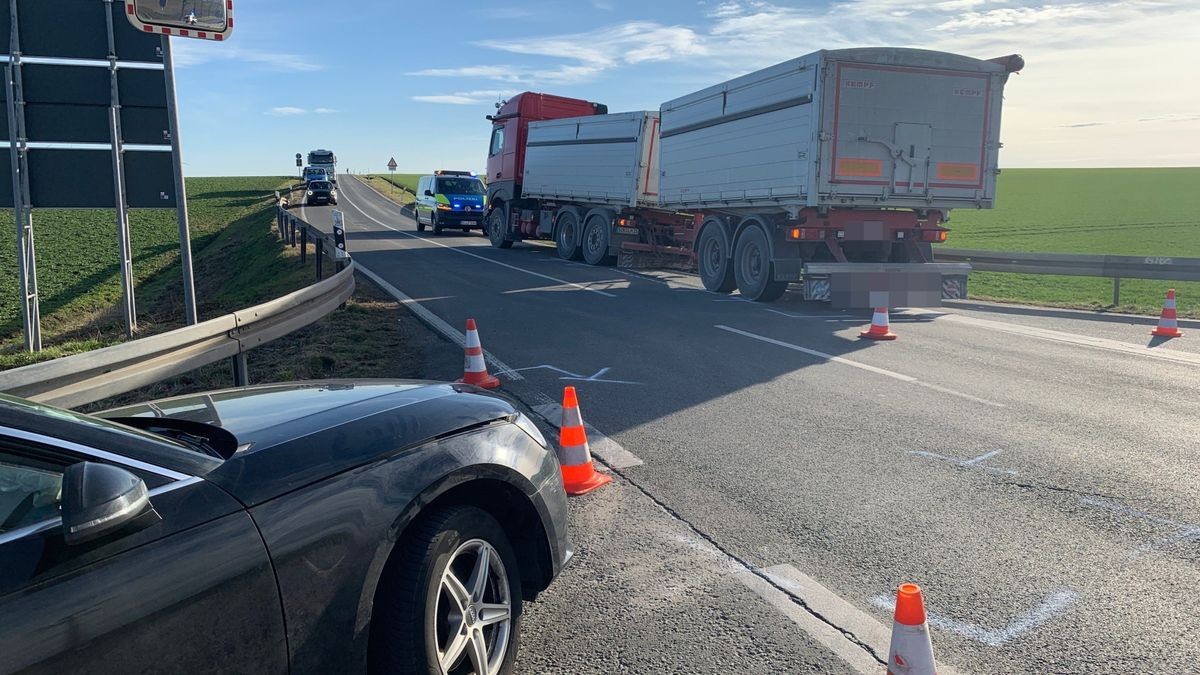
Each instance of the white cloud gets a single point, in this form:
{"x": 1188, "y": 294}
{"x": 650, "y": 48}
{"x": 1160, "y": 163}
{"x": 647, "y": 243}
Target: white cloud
{"x": 286, "y": 111}
{"x": 477, "y": 97}
{"x": 191, "y": 53}
{"x": 325, "y": 111}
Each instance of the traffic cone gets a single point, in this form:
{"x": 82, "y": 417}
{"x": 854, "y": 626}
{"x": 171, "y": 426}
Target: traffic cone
{"x": 911, "y": 652}
{"x": 574, "y": 456}
{"x": 879, "y": 326}
{"x": 1167, "y": 325}
{"x": 475, "y": 369}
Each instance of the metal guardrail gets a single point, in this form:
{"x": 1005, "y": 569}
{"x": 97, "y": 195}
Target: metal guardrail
{"x": 1115, "y": 267}
{"x": 92, "y": 376}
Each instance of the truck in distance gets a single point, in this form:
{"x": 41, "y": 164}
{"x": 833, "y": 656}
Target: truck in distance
{"x": 838, "y": 169}
{"x": 324, "y": 159}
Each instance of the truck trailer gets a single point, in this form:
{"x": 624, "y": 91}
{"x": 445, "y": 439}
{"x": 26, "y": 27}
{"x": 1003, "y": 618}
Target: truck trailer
{"x": 837, "y": 169}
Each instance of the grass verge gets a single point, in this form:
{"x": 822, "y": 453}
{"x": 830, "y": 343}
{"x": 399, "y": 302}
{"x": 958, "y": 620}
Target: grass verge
{"x": 397, "y": 190}
{"x": 1151, "y": 212}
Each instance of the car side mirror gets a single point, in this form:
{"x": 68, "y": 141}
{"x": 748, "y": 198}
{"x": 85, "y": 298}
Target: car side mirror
{"x": 429, "y": 193}
{"x": 99, "y": 499}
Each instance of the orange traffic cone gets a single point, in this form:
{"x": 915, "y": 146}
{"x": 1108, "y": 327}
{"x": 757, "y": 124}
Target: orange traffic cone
{"x": 1167, "y": 325}
{"x": 911, "y": 652}
{"x": 475, "y": 369}
{"x": 574, "y": 456}
{"x": 879, "y": 329}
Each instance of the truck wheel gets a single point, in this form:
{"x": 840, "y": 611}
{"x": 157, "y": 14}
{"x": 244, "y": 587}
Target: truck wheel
{"x": 568, "y": 239}
{"x": 753, "y": 269}
{"x": 596, "y": 236}
{"x": 495, "y": 229}
{"x": 712, "y": 257}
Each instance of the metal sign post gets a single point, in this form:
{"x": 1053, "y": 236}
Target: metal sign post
{"x": 31, "y": 315}
{"x": 300, "y": 165}
{"x": 114, "y": 129}
{"x": 392, "y": 167}
{"x": 185, "y": 236}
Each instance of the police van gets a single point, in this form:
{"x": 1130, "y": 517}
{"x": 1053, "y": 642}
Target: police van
{"x": 450, "y": 199}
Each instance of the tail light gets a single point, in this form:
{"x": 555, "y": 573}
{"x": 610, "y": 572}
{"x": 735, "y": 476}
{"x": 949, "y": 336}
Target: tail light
{"x": 936, "y": 236}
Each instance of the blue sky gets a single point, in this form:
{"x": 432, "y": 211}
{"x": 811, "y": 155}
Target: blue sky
{"x": 1107, "y": 82}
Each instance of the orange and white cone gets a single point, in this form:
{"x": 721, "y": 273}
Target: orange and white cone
{"x": 911, "y": 652}
{"x": 574, "y": 455}
{"x": 475, "y": 369}
{"x": 879, "y": 329}
{"x": 1168, "y": 326}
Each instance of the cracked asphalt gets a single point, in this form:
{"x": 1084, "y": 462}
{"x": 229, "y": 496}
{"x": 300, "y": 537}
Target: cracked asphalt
{"x": 1033, "y": 470}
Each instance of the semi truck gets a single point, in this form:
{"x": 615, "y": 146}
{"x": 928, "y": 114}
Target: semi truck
{"x": 324, "y": 159}
{"x": 837, "y": 169}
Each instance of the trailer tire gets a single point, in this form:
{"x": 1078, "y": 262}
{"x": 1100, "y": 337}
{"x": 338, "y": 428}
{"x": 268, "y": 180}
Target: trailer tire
{"x": 568, "y": 240}
{"x": 495, "y": 228}
{"x": 753, "y": 269}
{"x": 596, "y": 237}
{"x": 712, "y": 259}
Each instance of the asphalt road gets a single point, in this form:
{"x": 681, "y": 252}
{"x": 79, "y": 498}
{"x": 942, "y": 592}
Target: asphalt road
{"x": 1033, "y": 470}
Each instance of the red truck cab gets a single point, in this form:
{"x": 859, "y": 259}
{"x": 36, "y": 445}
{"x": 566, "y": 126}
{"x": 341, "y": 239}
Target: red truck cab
{"x": 506, "y": 150}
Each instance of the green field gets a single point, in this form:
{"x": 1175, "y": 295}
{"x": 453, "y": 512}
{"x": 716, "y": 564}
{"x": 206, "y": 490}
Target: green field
{"x": 238, "y": 261}
{"x": 408, "y": 181}
{"x": 1113, "y": 211}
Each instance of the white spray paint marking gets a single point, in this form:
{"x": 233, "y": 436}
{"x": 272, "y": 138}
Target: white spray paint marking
{"x": 1184, "y": 532}
{"x": 602, "y": 446}
{"x": 437, "y": 323}
{"x": 1054, "y": 605}
{"x": 522, "y": 270}
{"x": 568, "y": 375}
{"x": 973, "y": 463}
{"x": 862, "y": 366}
{"x": 791, "y": 315}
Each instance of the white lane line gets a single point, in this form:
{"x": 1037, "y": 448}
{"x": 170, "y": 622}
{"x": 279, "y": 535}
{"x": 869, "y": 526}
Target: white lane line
{"x": 581, "y": 287}
{"x": 612, "y": 452}
{"x": 1069, "y": 338}
{"x": 568, "y": 375}
{"x": 862, "y": 366}
{"x": 435, "y": 322}
{"x": 1054, "y": 604}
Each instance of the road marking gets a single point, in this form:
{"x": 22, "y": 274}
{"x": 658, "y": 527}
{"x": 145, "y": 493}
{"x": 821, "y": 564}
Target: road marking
{"x": 581, "y": 287}
{"x": 1184, "y": 531}
{"x": 862, "y": 366}
{"x": 602, "y": 446}
{"x": 437, "y": 323}
{"x": 568, "y": 375}
{"x": 1054, "y": 604}
{"x": 1186, "y": 358}
{"x": 830, "y": 317}
{"x": 973, "y": 463}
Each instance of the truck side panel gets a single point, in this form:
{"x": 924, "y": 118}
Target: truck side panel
{"x": 744, "y": 141}
{"x": 597, "y": 159}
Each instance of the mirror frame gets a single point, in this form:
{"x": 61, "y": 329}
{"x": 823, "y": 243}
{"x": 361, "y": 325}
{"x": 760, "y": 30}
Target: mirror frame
{"x": 177, "y": 29}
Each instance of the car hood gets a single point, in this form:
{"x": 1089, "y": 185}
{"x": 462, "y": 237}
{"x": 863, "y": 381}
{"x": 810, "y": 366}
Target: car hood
{"x": 300, "y": 432}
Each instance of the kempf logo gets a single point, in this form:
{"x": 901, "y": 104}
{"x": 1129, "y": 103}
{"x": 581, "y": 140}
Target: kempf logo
{"x": 858, "y": 84}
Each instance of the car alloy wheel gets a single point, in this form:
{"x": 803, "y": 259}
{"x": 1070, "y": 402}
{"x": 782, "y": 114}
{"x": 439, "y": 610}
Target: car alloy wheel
{"x": 473, "y": 616}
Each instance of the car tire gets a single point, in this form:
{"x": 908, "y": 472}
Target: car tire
{"x": 596, "y": 238}
{"x": 436, "y": 223}
{"x": 712, "y": 259}
{"x": 495, "y": 229}
{"x": 415, "y": 617}
{"x": 568, "y": 238}
{"x": 753, "y": 269}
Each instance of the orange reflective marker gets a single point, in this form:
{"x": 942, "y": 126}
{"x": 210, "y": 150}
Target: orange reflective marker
{"x": 475, "y": 368}
{"x": 911, "y": 651}
{"x": 574, "y": 455}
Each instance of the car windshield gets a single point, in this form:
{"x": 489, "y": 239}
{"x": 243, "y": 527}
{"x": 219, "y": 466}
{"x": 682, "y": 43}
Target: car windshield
{"x": 460, "y": 186}
{"x": 318, "y": 185}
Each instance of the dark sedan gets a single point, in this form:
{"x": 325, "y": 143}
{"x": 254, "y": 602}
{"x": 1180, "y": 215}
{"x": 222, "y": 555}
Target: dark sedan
{"x": 320, "y": 527}
{"x": 320, "y": 192}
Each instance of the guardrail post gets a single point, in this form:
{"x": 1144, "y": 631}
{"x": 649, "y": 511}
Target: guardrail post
{"x": 241, "y": 371}
{"x": 1116, "y": 291}
{"x": 320, "y": 255}
{"x": 291, "y": 232}
{"x": 303, "y": 245}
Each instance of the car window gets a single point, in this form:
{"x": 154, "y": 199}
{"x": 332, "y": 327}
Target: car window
{"x": 30, "y": 491}
{"x": 497, "y": 140}
{"x": 459, "y": 186}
